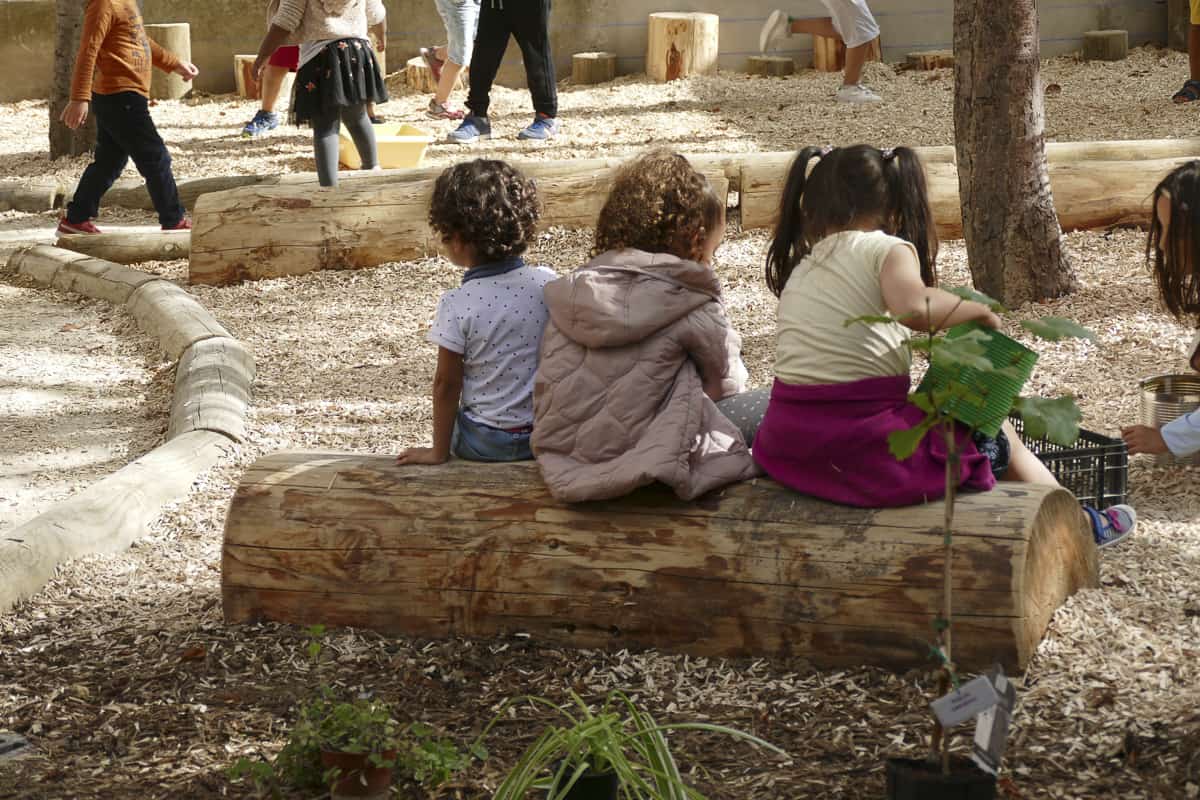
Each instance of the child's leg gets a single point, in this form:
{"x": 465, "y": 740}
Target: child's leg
{"x": 461, "y": 18}
{"x": 325, "y": 124}
{"x": 491, "y": 40}
{"x": 140, "y": 138}
{"x": 358, "y": 124}
{"x": 272, "y": 84}
{"x": 856, "y": 27}
{"x": 530, "y": 22}
{"x": 816, "y": 26}
{"x": 107, "y": 164}
{"x": 1023, "y": 465}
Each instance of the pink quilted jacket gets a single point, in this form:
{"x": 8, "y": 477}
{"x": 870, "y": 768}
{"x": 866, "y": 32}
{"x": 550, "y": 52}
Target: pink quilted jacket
{"x": 636, "y": 348}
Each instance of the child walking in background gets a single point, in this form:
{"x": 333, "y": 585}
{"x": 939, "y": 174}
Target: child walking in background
{"x": 856, "y": 238}
{"x": 460, "y": 17}
{"x": 488, "y": 330}
{"x": 338, "y": 75}
{"x": 1173, "y": 252}
{"x": 114, "y": 44}
{"x": 851, "y": 22}
{"x": 638, "y": 347}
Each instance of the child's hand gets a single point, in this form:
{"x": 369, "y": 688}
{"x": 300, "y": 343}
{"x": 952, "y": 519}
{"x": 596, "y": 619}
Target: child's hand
{"x": 75, "y": 114}
{"x": 186, "y": 70}
{"x": 990, "y": 319}
{"x": 420, "y": 455}
{"x": 260, "y": 64}
{"x": 1144, "y": 439}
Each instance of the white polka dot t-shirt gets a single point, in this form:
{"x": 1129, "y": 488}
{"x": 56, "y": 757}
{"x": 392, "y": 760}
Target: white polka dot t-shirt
{"x": 496, "y": 323}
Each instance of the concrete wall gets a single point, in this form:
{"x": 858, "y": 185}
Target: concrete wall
{"x": 221, "y": 28}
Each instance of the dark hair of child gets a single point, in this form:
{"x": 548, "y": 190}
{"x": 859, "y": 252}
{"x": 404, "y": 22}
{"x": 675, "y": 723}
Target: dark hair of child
{"x": 847, "y": 188}
{"x": 1175, "y": 268}
{"x": 486, "y": 204}
{"x": 659, "y": 204}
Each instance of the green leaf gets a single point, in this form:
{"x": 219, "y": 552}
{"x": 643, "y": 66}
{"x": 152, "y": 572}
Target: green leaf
{"x": 870, "y": 319}
{"x": 903, "y": 444}
{"x": 966, "y": 351}
{"x": 1053, "y": 329}
{"x": 979, "y": 297}
{"x": 1054, "y": 419}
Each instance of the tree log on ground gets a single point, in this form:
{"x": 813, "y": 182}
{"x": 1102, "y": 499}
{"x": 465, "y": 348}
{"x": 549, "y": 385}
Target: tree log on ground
{"x": 591, "y": 68}
{"x": 679, "y": 44}
{"x": 130, "y": 247}
{"x": 752, "y": 570}
{"x": 1105, "y": 45}
{"x": 770, "y": 66}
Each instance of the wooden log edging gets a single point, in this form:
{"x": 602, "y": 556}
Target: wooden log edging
{"x": 213, "y": 382}
{"x": 130, "y": 247}
{"x": 753, "y": 569}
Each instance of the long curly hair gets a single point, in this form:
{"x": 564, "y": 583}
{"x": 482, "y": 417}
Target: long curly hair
{"x": 488, "y": 205}
{"x": 660, "y": 204}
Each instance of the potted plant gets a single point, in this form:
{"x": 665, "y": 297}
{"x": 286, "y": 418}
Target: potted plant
{"x": 596, "y": 755}
{"x": 976, "y": 369}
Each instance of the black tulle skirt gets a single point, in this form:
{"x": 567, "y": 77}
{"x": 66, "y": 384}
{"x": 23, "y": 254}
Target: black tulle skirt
{"x": 344, "y": 73}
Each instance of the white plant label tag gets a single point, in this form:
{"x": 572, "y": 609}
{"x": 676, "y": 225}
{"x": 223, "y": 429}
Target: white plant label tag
{"x": 972, "y": 698}
{"x": 991, "y": 728}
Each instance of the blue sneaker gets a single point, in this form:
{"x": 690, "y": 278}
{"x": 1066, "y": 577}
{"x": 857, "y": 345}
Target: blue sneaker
{"x": 541, "y": 129}
{"x": 263, "y": 121}
{"x": 1112, "y": 524}
{"x": 472, "y": 129}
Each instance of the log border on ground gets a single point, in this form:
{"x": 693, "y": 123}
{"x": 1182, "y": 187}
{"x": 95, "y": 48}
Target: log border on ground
{"x": 33, "y": 196}
{"x": 130, "y": 247}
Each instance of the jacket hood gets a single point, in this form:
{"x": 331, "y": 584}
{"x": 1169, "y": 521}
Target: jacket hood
{"x": 623, "y": 296}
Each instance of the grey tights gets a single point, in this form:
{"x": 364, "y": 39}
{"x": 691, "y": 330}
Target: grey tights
{"x": 325, "y": 124}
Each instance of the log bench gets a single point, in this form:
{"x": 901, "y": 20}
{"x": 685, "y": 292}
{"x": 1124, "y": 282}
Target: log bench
{"x": 752, "y": 570}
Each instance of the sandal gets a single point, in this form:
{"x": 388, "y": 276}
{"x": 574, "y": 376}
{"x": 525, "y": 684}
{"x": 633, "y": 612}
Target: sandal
{"x": 1112, "y": 524}
{"x": 1188, "y": 94}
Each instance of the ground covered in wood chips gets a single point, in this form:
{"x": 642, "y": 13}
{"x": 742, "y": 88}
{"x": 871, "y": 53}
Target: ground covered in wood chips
{"x": 124, "y": 678}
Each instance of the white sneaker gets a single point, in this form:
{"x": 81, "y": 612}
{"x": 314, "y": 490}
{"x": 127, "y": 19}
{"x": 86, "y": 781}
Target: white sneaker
{"x": 777, "y": 27}
{"x": 857, "y": 93}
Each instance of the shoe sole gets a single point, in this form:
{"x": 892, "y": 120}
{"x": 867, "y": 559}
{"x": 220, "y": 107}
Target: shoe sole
{"x": 483, "y": 137}
{"x": 768, "y": 36}
{"x": 69, "y": 232}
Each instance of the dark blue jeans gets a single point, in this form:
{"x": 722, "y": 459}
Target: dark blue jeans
{"x": 475, "y": 441}
{"x": 124, "y": 130}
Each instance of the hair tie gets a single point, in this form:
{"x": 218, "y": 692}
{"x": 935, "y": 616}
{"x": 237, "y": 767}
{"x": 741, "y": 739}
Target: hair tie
{"x": 888, "y": 153}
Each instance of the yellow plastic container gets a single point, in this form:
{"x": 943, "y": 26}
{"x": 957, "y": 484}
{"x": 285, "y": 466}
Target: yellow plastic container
{"x": 400, "y": 146}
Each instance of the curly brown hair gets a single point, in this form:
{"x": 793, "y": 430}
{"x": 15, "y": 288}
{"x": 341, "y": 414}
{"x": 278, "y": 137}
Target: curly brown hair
{"x": 488, "y": 205}
{"x": 660, "y": 204}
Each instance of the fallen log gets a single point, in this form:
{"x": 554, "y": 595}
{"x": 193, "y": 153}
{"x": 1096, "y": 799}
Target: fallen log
{"x": 755, "y": 569}
{"x": 38, "y": 194}
{"x": 130, "y": 247}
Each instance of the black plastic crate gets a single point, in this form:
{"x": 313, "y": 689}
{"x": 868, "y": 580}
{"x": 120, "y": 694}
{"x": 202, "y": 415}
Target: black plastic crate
{"x": 1095, "y": 468}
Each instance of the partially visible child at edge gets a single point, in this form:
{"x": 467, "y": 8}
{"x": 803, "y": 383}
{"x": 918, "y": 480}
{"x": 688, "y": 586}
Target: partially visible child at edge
{"x": 489, "y": 329}
{"x": 1173, "y": 252}
{"x": 857, "y": 238}
{"x": 114, "y": 42}
{"x": 338, "y": 75}
{"x": 638, "y": 347}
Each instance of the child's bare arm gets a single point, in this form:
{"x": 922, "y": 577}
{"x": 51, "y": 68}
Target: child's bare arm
{"x": 447, "y": 390}
{"x": 921, "y": 307}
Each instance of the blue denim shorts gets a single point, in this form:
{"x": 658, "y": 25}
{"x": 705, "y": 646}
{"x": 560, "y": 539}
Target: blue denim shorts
{"x": 475, "y": 441}
{"x": 460, "y": 18}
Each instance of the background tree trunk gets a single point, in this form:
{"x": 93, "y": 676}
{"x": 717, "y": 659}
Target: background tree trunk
{"x": 1014, "y": 241}
{"x": 63, "y": 140}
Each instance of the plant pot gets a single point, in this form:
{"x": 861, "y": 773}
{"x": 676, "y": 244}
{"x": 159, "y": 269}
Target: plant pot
{"x": 917, "y": 779}
{"x": 593, "y": 786}
{"x": 358, "y": 777}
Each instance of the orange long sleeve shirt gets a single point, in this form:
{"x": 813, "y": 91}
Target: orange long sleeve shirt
{"x": 115, "y": 43}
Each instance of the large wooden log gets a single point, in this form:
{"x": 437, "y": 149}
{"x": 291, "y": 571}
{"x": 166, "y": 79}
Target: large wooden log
{"x": 590, "y": 68}
{"x": 213, "y": 382}
{"x": 130, "y": 247}
{"x": 260, "y": 232}
{"x": 39, "y": 194}
{"x": 177, "y": 38}
{"x": 75, "y": 272}
{"x": 1105, "y": 45}
{"x": 755, "y": 569}
{"x": 679, "y": 44}
{"x": 770, "y": 66}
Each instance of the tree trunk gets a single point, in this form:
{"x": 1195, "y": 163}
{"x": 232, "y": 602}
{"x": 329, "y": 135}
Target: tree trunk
{"x": 1014, "y": 241}
{"x": 68, "y": 25}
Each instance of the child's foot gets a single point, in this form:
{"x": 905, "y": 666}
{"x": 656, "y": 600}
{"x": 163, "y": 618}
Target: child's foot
{"x": 778, "y": 26}
{"x": 541, "y": 129}
{"x": 472, "y": 129}
{"x": 263, "y": 121}
{"x": 857, "y": 93}
{"x": 1112, "y": 524}
{"x": 434, "y": 63}
{"x": 70, "y": 228}
{"x": 1188, "y": 94}
{"x": 184, "y": 224}
{"x": 437, "y": 110}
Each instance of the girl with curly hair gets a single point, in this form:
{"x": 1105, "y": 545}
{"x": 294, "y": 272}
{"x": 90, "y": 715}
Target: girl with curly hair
{"x": 638, "y": 348}
{"x": 489, "y": 329}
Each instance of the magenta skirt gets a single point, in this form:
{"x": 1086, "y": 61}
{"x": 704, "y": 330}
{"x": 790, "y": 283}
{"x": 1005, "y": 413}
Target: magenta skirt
{"x": 830, "y": 441}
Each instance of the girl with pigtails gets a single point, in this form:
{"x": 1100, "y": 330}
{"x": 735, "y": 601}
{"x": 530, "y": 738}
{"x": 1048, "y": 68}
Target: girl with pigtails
{"x": 855, "y": 238}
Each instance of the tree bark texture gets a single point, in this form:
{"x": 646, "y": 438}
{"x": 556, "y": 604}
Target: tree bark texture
{"x": 68, "y": 25}
{"x": 1014, "y": 241}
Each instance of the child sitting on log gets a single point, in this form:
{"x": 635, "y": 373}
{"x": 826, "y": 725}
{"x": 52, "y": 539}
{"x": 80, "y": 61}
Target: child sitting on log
{"x": 638, "y": 347}
{"x": 1173, "y": 252}
{"x": 489, "y": 329}
{"x": 856, "y": 238}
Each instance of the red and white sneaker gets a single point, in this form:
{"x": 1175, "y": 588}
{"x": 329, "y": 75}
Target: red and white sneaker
{"x": 184, "y": 224}
{"x": 71, "y": 228}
